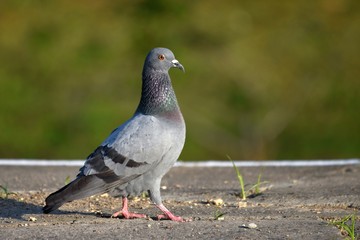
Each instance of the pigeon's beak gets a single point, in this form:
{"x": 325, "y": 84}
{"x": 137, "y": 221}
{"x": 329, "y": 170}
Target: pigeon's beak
{"x": 178, "y": 65}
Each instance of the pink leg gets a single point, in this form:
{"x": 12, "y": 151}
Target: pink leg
{"x": 168, "y": 215}
{"x": 125, "y": 212}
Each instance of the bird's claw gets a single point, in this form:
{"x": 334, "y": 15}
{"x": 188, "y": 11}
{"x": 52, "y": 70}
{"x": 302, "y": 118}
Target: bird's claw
{"x": 128, "y": 215}
{"x": 170, "y": 217}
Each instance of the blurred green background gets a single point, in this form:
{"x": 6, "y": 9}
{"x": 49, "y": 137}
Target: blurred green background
{"x": 264, "y": 79}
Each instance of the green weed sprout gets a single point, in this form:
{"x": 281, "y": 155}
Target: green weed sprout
{"x": 218, "y": 215}
{"x": 5, "y": 192}
{"x": 254, "y": 190}
{"x": 343, "y": 225}
{"x": 67, "y": 180}
{"x": 241, "y": 181}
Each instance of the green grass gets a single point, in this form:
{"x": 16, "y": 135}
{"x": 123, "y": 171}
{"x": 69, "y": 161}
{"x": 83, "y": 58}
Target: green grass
{"x": 67, "y": 180}
{"x": 219, "y": 215}
{"x": 4, "y": 192}
{"x": 347, "y": 226}
{"x": 241, "y": 182}
{"x": 254, "y": 190}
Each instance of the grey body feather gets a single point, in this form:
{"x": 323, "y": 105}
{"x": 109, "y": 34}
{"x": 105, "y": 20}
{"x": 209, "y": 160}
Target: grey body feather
{"x": 136, "y": 155}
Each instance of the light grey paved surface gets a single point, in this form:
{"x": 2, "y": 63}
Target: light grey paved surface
{"x": 296, "y": 204}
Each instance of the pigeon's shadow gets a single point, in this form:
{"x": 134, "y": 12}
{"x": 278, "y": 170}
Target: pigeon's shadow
{"x": 14, "y": 209}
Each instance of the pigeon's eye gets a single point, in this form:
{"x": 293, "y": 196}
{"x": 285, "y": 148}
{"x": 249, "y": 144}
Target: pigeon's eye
{"x": 161, "y": 57}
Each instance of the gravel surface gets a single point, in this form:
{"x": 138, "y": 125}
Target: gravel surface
{"x": 295, "y": 203}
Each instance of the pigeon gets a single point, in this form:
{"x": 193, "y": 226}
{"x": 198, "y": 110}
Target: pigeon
{"x": 137, "y": 154}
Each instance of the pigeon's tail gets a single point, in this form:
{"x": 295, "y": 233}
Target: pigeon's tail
{"x": 81, "y": 187}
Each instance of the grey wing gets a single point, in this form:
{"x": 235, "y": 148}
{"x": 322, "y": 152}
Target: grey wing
{"x": 133, "y": 149}
{"x": 130, "y": 151}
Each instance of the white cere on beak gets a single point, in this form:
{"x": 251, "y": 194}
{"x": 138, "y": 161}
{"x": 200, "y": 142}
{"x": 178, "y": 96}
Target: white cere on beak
{"x": 178, "y": 65}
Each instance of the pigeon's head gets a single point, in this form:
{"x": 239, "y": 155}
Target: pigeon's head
{"x": 162, "y": 59}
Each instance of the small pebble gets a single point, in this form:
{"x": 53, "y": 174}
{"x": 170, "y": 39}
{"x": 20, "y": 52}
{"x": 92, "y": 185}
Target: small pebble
{"x": 242, "y": 204}
{"x": 222, "y": 218}
{"x": 217, "y": 202}
{"x": 252, "y": 225}
{"x": 32, "y": 219}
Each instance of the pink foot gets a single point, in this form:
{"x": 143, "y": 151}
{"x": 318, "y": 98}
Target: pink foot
{"x": 125, "y": 212}
{"x": 168, "y": 215}
{"x": 128, "y": 215}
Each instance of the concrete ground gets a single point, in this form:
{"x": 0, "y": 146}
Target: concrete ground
{"x": 294, "y": 203}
